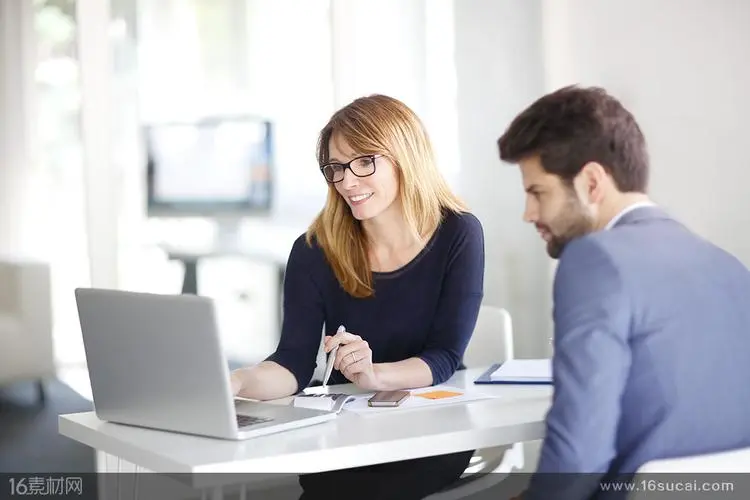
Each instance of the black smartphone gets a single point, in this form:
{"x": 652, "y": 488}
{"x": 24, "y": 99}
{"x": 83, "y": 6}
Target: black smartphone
{"x": 388, "y": 398}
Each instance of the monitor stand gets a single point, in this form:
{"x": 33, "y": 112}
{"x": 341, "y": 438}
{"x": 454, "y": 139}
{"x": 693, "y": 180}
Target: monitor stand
{"x": 228, "y": 234}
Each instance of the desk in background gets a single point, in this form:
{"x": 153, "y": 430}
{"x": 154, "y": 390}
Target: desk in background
{"x": 267, "y": 244}
{"x": 351, "y": 440}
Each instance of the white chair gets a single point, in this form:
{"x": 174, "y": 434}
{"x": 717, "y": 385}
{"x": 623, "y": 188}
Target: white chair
{"x": 491, "y": 342}
{"x": 26, "y": 344}
{"x": 724, "y": 462}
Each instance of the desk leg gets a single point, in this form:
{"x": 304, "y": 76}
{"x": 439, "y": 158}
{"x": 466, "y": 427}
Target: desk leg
{"x": 110, "y": 468}
{"x": 136, "y": 489}
{"x": 120, "y": 479}
{"x": 215, "y": 494}
{"x": 190, "y": 280}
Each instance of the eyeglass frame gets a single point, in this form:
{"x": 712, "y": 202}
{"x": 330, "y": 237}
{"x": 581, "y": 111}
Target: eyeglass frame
{"x": 348, "y": 165}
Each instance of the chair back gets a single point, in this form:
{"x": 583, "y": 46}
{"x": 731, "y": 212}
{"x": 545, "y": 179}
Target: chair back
{"x": 26, "y": 342}
{"x": 685, "y": 468}
{"x": 492, "y": 340}
{"x": 737, "y": 460}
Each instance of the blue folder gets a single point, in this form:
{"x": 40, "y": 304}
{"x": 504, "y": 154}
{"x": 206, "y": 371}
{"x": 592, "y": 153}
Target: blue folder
{"x": 485, "y": 378}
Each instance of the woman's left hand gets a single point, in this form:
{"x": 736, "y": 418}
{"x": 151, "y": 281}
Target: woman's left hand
{"x": 354, "y": 359}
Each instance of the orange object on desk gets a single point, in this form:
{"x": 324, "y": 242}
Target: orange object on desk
{"x": 438, "y": 394}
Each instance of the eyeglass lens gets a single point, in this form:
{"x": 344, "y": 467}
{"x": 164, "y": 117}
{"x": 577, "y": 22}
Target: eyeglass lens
{"x": 361, "y": 167}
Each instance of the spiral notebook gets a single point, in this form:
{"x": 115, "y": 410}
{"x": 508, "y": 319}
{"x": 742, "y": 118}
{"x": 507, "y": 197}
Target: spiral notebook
{"x": 518, "y": 371}
{"x": 326, "y": 402}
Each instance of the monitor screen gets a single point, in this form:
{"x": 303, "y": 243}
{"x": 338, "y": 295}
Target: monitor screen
{"x": 218, "y": 166}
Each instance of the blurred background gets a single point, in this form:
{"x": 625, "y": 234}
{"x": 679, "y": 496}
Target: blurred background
{"x": 169, "y": 145}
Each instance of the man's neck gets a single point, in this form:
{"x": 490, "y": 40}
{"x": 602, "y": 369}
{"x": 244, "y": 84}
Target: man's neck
{"x": 620, "y": 203}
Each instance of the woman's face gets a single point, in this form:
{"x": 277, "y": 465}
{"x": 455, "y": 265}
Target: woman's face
{"x": 373, "y": 190}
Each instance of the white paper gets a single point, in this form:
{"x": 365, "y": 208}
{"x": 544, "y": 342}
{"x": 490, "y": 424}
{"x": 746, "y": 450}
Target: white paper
{"x": 524, "y": 370}
{"x": 414, "y": 402}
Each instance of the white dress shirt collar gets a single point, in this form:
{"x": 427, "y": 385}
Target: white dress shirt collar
{"x": 627, "y": 209}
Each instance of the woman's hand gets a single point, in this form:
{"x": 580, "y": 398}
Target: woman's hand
{"x": 236, "y": 383}
{"x": 354, "y": 359}
{"x": 264, "y": 381}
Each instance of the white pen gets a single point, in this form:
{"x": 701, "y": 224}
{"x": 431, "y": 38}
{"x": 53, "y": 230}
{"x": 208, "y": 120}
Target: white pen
{"x": 331, "y": 359}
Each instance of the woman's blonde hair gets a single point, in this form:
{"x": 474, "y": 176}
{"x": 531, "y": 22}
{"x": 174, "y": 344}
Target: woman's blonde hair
{"x": 379, "y": 124}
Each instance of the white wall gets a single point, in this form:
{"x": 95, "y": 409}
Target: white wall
{"x": 401, "y": 48}
{"x": 499, "y": 71}
{"x": 682, "y": 68}
{"x": 379, "y": 47}
{"x": 679, "y": 65}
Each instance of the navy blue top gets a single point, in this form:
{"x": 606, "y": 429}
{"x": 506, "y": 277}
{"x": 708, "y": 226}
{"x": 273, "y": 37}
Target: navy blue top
{"x": 427, "y": 308}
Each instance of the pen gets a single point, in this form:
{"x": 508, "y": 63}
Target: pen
{"x": 332, "y": 358}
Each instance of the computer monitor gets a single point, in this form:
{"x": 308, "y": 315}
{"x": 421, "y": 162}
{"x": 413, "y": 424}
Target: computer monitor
{"x": 216, "y": 167}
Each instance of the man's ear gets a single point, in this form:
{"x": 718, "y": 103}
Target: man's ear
{"x": 594, "y": 178}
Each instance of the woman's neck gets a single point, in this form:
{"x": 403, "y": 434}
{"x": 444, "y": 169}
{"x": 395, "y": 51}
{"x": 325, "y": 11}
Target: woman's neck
{"x": 389, "y": 231}
{"x": 392, "y": 243}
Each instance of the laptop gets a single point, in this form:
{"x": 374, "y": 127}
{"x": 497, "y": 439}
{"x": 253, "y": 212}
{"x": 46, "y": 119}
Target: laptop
{"x": 156, "y": 361}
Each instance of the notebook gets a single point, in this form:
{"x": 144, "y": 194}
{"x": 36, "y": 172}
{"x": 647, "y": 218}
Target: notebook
{"x": 327, "y": 402}
{"x": 518, "y": 371}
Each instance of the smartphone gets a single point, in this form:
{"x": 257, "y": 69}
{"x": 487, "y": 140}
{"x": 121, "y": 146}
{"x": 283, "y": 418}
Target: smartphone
{"x": 388, "y": 398}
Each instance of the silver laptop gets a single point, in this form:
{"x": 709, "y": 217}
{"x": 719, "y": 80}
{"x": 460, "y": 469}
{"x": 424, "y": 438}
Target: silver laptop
{"x": 156, "y": 361}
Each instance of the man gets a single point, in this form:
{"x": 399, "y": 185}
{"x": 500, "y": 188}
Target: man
{"x": 652, "y": 323}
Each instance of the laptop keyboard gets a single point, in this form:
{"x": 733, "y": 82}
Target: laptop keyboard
{"x": 248, "y": 420}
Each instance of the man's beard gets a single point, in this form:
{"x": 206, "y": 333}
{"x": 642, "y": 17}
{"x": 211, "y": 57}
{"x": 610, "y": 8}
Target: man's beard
{"x": 572, "y": 223}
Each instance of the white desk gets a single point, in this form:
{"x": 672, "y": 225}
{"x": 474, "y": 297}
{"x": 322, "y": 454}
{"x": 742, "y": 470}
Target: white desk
{"x": 266, "y": 242}
{"x": 351, "y": 440}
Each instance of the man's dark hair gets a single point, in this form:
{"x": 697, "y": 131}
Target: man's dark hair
{"x": 573, "y": 126}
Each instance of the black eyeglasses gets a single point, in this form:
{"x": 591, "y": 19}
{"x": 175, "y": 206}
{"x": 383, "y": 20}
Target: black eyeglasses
{"x": 362, "y": 166}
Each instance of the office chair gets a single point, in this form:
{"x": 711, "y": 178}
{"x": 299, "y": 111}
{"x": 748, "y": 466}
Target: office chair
{"x": 491, "y": 342}
{"x": 724, "y": 464}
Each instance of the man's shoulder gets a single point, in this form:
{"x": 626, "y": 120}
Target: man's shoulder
{"x": 583, "y": 248}
{"x": 620, "y": 241}
{"x": 633, "y": 248}
{"x": 586, "y": 262}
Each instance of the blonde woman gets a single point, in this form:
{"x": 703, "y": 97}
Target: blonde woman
{"x": 397, "y": 258}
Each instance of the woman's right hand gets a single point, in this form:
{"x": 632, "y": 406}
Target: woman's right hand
{"x": 264, "y": 381}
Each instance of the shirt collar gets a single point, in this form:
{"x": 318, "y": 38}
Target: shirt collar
{"x": 627, "y": 209}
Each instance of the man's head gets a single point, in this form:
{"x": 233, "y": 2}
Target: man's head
{"x": 581, "y": 155}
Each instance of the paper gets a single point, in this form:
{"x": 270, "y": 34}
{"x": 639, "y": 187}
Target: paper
{"x": 426, "y": 397}
{"x": 524, "y": 370}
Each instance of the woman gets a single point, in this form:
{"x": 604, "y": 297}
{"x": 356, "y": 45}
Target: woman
{"x": 395, "y": 257}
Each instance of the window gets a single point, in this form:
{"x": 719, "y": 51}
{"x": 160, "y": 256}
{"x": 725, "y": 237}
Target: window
{"x": 60, "y": 159}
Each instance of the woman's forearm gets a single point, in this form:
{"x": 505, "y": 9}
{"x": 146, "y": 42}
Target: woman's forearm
{"x": 406, "y": 374}
{"x": 264, "y": 381}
